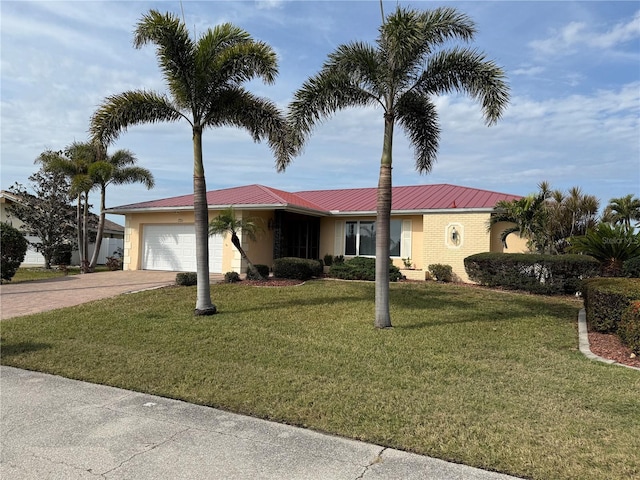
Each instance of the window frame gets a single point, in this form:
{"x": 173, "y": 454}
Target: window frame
{"x": 405, "y": 231}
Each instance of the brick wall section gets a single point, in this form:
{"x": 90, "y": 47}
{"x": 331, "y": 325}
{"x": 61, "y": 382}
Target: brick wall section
{"x": 438, "y": 246}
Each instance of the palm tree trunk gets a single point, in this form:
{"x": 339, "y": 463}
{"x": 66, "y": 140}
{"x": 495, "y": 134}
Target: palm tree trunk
{"x": 98, "y": 244}
{"x": 79, "y": 228}
{"x": 84, "y": 264}
{"x": 201, "y": 220}
{"x": 383, "y": 318}
{"x": 236, "y": 243}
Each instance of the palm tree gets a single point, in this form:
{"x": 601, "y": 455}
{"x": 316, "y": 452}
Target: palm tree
{"x": 204, "y": 79}
{"x": 611, "y": 245}
{"x": 401, "y": 73}
{"x": 226, "y": 222}
{"x": 116, "y": 169}
{"x": 623, "y": 210}
{"x": 75, "y": 163}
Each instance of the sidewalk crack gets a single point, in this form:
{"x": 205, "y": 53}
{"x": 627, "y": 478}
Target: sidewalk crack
{"x": 377, "y": 459}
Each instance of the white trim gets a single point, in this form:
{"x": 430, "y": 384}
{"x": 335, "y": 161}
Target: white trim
{"x": 448, "y": 230}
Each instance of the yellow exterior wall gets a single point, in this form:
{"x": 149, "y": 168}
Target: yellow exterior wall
{"x": 515, "y": 244}
{"x": 439, "y": 248}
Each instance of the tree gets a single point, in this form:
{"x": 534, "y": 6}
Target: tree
{"x": 226, "y": 222}
{"x": 621, "y": 211}
{"x": 46, "y": 213}
{"x": 75, "y": 162}
{"x": 116, "y": 169}
{"x": 569, "y": 215}
{"x": 14, "y": 247}
{"x": 204, "y": 78}
{"x": 401, "y": 73}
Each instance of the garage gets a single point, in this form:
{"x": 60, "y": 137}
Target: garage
{"x": 173, "y": 248}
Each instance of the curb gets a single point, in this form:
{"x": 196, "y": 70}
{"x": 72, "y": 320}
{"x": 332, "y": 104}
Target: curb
{"x": 583, "y": 342}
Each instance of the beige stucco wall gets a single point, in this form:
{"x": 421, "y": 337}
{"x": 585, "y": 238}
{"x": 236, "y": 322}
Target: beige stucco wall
{"x": 515, "y": 244}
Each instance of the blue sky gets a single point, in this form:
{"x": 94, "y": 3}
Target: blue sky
{"x": 573, "y": 120}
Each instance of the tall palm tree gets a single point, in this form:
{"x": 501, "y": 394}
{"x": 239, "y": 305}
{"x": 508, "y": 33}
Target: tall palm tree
{"x": 621, "y": 211}
{"x": 204, "y": 78}
{"x": 401, "y": 73}
{"x": 75, "y": 162}
{"x": 116, "y": 169}
{"x": 227, "y": 223}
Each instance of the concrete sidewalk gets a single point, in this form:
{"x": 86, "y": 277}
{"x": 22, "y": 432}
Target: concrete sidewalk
{"x": 57, "y": 428}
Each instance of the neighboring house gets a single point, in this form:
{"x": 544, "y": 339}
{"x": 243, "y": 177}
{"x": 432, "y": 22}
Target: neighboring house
{"x": 112, "y": 239}
{"x": 429, "y": 224}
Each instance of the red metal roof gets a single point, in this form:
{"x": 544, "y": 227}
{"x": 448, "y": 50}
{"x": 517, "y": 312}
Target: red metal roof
{"x": 417, "y": 197}
{"x": 410, "y": 198}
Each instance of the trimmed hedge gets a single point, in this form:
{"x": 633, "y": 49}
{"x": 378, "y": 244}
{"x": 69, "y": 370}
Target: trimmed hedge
{"x": 442, "y": 273}
{"x": 263, "y": 270}
{"x": 296, "y": 268}
{"x": 629, "y": 327}
{"x": 631, "y": 268}
{"x": 535, "y": 273}
{"x": 231, "y": 277}
{"x": 186, "y": 279}
{"x": 605, "y": 300}
{"x": 361, "y": 268}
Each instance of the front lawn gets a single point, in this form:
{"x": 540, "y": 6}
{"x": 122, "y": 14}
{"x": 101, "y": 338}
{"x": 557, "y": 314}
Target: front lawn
{"x": 484, "y": 378}
{"x": 30, "y": 274}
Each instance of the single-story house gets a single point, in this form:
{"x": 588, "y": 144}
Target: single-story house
{"x": 112, "y": 238}
{"x": 429, "y": 224}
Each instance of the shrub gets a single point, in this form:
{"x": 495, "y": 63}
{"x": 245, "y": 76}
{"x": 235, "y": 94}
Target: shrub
{"x": 361, "y": 268}
{"x": 605, "y": 299}
{"x": 328, "y": 259}
{"x": 296, "y": 268}
{"x": 629, "y": 327}
{"x": 338, "y": 259}
{"x": 114, "y": 263}
{"x": 231, "y": 277}
{"x": 186, "y": 279}
{"x": 631, "y": 267}
{"x": 14, "y": 248}
{"x": 262, "y": 270}
{"x": 440, "y": 272}
{"x": 535, "y": 273}
{"x": 61, "y": 255}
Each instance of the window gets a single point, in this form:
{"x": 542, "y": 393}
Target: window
{"x": 360, "y": 238}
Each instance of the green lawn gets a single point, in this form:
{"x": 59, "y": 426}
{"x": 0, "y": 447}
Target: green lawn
{"x": 40, "y": 273}
{"x": 489, "y": 379}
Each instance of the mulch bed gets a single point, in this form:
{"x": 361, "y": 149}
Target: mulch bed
{"x": 609, "y": 346}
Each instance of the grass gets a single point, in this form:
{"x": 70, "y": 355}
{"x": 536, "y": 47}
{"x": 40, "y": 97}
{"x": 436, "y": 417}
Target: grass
{"x": 41, "y": 273}
{"x": 489, "y": 379}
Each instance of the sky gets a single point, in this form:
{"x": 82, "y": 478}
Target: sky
{"x": 573, "y": 118}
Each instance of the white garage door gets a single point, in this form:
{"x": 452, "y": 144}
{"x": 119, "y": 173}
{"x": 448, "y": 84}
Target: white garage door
{"x": 173, "y": 248}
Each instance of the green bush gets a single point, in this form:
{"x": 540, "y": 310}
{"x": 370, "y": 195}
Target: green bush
{"x": 231, "y": 277}
{"x": 61, "y": 255}
{"x": 440, "y": 272}
{"x": 14, "y": 248}
{"x": 186, "y": 279}
{"x": 361, "y": 268}
{"x": 261, "y": 270}
{"x": 535, "y": 273}
{"x": 296, "y": 268}
{"x": 338, "y": 259}
{"x": 631, "y": 268}
{"x": 328, "y": 259}
{"x": 629, "y": 327}
{"x": 605, "y": 299}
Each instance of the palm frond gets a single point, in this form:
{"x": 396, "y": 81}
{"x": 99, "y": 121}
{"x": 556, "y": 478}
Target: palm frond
{"x": 128, "y": 175}
{"x": 466, "y": 70}
{"x": 175, "y": 52}
{"x": 118, "y": 112}
{"x": 260, "y": 117}
{"x": 419, "y": 118}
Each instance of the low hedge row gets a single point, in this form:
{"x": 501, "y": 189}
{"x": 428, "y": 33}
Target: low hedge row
{"x": 361, "y": 268}
{"x": 296, "y": 268}
{"x": 535, "y": 273}
{"x": 629, "y": 327}
{"x": 606, "y": 299}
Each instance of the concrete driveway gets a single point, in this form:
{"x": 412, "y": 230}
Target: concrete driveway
{"x": 39, "y": 296}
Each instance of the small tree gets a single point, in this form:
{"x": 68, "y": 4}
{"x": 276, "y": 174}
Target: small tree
{"x": 611, "y": 245}
{"x": 622, "y": 211}
{"x": 46, "y": 213}
{"x": 14, "y": 247}
{"x": 226, "y": 222}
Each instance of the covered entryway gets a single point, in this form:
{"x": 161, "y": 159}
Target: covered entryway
{"x": 173, "y": 247}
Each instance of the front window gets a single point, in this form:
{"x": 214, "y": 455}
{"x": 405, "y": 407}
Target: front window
{"x": 360, "y": 238}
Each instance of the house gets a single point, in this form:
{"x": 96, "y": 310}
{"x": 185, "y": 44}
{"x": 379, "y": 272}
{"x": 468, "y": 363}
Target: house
{"x": 429, "y": 224}
{"x": 112, "y": 239}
